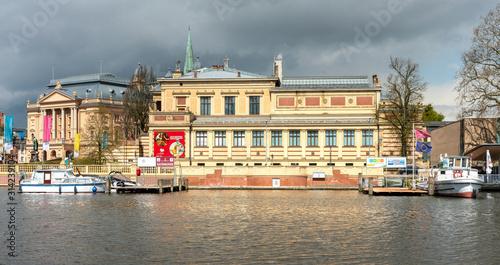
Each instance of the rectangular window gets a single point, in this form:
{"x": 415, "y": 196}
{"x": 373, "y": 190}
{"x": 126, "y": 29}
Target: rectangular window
{"x": 201, "y": 138}
{"x": 254, "y": 105}
{"x": 220, "y": 138}
{"x": 331, "y": 138}
{"x": 349, "y": 138}
{"x": 294, "y": 138}
{"x": 258, "y": 138}
{"x": 312, "y": 138}
{"x": 276, "y": 138}
{"x": 205, "y": 106}
{"x": 239, "y": 138}
{"x": 229, "y": 107}
{"x": 367, "y": 137}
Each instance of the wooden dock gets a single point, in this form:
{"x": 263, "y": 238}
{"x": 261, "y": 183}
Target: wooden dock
{"x": 395, "y": 192}
{"x": 163, "y": 185}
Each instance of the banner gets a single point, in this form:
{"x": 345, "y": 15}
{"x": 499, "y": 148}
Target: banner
{"x": 104, "y": 142}
{"x": 47, "y": 126}
{"x": 489, "y": 164}
{"x": 169, "y": 144}
{"x": 9, "y": 123}
{"x": 419, "y": 134}
{"x": 376, "y": 161}
{"x": 77, "y": 142}
{"x": 396, "y": 162}
{"x": 424, "y": 148}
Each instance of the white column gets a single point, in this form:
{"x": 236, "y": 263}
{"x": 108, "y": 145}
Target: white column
{"x": 72, "y": 125}
{"x": 53, "y": 133}
{"x": 63, "y": 124}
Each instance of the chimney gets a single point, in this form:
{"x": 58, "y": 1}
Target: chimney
{"x": 239, "y": 74}
{"x": 226, "y": 63}
{"x": 221, "y": 67}
{"x": 375, "y": 79}
{"x": 278, "y": 67}
{"x": 195, "y": 74}
{"x": 215, "y": 67}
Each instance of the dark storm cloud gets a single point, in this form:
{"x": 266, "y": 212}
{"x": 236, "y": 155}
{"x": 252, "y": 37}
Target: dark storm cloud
{"x": 314, "y": 36}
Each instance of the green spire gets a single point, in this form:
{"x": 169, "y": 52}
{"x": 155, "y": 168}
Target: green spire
{"x": 189, "y": 62}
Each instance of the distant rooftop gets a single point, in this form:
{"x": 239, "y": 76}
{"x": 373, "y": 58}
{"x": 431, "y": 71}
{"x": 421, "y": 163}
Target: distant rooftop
{"x": 220, "y": 73}
{"x": 103, "y": 85}
{"x": 89, "y": 78}
{"x": 326, "y": 82}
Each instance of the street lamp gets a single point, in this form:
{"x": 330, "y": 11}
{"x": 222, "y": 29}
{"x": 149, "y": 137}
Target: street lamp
{"x": 135, "y": 137}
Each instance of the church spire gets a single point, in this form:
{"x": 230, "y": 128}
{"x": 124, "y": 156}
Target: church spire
{"x": 189, "y": 62}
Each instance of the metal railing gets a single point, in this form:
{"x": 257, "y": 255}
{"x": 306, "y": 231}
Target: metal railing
{"x": 491, "y": 179}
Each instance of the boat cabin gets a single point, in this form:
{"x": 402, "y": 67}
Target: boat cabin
{"x": 456, "y": 162}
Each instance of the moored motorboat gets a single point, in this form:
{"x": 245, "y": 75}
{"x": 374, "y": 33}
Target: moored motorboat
{"x": 119, "y": 180}
{"x": 455, "y": 178}
{"x": 60, "y": 181}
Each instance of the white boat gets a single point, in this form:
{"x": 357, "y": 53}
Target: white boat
{"x": 454, "y": 178}
{"x": 61, "y": 181}
{"x": 120, "y": 180}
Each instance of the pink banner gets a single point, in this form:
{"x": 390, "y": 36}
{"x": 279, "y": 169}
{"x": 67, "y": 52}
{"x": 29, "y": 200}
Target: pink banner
{"x": 47, "y": 125}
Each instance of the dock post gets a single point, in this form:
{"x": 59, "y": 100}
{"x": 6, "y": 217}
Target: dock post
{"x": 187, "y": 183}
{"x": 370, "y": 186}
{"x": 171, "y": 185}
{"x": 108, "y": 185}
{"x": 160, "y": 186}
{"x": 360, "y": 182}
{"x": 431, "y": 185}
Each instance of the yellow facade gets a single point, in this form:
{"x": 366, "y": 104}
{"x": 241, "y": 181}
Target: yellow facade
{"x": 69, "y": 102}
{"x": 298, "y": 122}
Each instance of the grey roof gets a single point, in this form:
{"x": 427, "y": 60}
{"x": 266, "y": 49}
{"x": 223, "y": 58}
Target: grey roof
{"x": 227, "y": 72}
{"x": 326, "y": 82}
{"x": 104, "y": 84}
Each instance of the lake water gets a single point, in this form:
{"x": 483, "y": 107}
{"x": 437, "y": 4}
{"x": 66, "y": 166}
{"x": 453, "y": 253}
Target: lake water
{"x": 251, "y": 227}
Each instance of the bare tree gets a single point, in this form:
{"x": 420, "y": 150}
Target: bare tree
{"x": 479, "y": 77}
{"x": 405, "y": 95}
{"x": 99, "y": 136}
{"x": 137, "y": 100}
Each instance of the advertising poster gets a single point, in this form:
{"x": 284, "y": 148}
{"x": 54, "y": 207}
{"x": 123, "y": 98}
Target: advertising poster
{"x": 169, "y": 144}
{"x": 376, "y": 162}
{"x": 396, "y": 162}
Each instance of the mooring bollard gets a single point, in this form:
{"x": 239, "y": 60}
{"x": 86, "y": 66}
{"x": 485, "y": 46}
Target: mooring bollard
{"x": 370, "y": 186}
{"x": 108, "y": 185}
{"x": 171, "y": 185}
{"x": 160, "y": 186}
{"x": 431, "y": 186}
{"x": 360, "y": 182}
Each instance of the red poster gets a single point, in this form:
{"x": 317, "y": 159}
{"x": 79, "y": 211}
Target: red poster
{"x": 169, "y": 144}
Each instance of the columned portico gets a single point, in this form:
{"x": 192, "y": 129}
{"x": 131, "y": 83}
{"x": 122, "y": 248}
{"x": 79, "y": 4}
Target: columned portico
{"x": 63, "y": 124}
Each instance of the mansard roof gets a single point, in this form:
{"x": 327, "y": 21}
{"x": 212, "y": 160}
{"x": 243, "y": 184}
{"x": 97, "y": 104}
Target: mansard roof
{"x": 92, "y": 85}
{"x": 326, "y": 82}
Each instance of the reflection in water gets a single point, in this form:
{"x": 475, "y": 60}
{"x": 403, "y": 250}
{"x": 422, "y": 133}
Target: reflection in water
{"x": 255, "y": 227}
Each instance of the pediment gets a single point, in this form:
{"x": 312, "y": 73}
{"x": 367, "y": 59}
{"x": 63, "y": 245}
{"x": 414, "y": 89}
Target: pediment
{"x": 55, "y": 97}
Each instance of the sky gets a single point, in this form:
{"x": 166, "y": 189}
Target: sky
{"x": 315, "y": 37}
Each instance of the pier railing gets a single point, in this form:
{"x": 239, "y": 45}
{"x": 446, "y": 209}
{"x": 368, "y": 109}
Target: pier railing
{"x": 491, "y": 179}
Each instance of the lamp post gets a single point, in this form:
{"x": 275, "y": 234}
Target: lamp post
{"x": 135, "y": 139}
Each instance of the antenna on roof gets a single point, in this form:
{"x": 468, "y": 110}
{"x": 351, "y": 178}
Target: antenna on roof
{"x": 53, "y": 78}
{"x": 101, "y": 65}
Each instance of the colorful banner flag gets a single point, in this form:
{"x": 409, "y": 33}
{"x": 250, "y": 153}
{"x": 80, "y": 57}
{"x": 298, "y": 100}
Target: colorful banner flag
{"x": 9, "y": 123}
{"x": 104, "y": 142}
{"x": 47, "y": 126}
{"x": 419, "y": 134}
{"x": 77, "y": 142}
{"x": 423, "y": 147}
{"x": 489, "y": 164}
